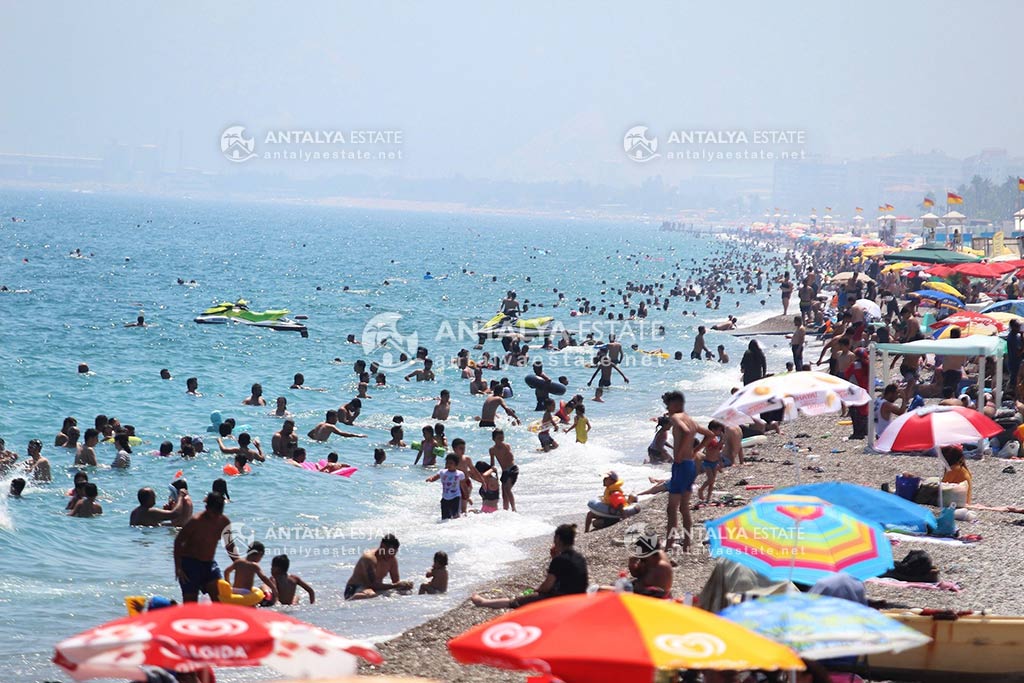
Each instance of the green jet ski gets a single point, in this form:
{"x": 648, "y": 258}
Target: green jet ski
{"x": 239, "y": 312}
{"x": 503, "y": 325}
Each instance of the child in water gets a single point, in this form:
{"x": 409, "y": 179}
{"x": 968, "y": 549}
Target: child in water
{"x": 247, "y": 569}
{"x": 397, "y": 434}
{"x": 547, "y": 423}
{"x": 438, "y": 575}
{"x": 581, "y": 424}
{"x": 287, "y": 583}
{"x": 427, "y": 448}
{"x": 490, "y": 488}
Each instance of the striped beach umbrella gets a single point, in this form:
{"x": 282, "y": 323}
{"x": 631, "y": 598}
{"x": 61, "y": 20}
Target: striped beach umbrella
{"x": 935, "y": 427}
{"x": 800, "y": 538}
{"x": 613, "y": 637}
{"x": 822, "y": 627}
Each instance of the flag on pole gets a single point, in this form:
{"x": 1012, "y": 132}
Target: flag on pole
{"x": 890, "y": 207}
{"x": 881, "y": 208}
{"x": 1020, "y": 184}
{"x": 928, "y": 202}
{"x": 953, "y": 198}
{"x": 828, "y": 209}
{"x": 858, "y": 209}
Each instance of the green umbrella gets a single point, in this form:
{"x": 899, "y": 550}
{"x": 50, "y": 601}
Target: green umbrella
{"x": 932, "y": 252}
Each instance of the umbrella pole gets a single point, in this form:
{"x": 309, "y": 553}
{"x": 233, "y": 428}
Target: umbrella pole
{"x": 981, "y": 384}
{"x": 998, "y": 388}
{"x": 871, "y": 394}
{"x": 792, "y": 555}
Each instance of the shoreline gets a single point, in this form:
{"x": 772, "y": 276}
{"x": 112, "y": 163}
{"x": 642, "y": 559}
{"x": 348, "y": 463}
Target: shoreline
{"x": 991, "y": 579}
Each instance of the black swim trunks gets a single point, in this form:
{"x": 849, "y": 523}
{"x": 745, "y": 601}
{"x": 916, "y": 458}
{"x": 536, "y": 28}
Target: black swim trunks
{"x": 198, "y": 574}
{"x": 486, "y": 423}
{"x": 510, "y": 476}
{"x": 351, "y": 589}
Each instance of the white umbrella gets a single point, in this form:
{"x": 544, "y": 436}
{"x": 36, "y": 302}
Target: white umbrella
{"x": 809, "y": 392}
{"x": 869, "y": 307}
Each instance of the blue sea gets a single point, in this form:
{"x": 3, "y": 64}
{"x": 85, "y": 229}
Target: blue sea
{"x": 60, "y": 575}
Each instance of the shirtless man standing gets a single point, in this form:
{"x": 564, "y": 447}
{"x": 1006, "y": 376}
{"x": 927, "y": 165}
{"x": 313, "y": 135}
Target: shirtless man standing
{"x": 322, "y": 432}
{"x": 700, "y": 347}
{"x": 147, "y": 513}
{"x": 367, "y": 576}
{"x": 490, "y": 410}
{"x": 283, "y": 443}
{"x": 684, "y": 465}
{"x": 256, "y": 397}
{"x": 86, "y": 454}
{"x": 502, "y": 452}
{"x": 38, "y": 467}
{"x": 443, "y": 406}
{"x": 195, "y": 547}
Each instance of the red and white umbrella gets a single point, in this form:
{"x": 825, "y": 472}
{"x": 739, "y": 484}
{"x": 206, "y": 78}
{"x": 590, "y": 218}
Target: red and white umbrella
{"x": 935, "y": 427}
{"x": 968, "y": 318}
{"x": 194, "y": 636}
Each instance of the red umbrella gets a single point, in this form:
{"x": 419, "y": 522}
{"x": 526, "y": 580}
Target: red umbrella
{"x": 990, "y": 271}
{"x": 940, "y": 271}
{"x": 195, "y": 636}
{"x": 966, "y": 318}
{"x": 934, "y": 427}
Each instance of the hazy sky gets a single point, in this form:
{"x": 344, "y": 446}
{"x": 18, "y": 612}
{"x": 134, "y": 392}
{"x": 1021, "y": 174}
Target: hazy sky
{"x": 525, "y": 90}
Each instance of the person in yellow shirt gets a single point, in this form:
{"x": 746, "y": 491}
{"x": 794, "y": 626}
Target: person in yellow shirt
{"x": 957, "y": 471}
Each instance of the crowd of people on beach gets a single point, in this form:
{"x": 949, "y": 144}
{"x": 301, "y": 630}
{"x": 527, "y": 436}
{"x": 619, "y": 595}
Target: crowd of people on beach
{"x": 689, "y": 447}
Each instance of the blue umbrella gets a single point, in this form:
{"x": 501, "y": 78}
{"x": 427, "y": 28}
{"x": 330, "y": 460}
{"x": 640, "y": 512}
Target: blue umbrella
{"x": 887, "y": 509}
{"x": 820, "y": 627}
{"x": 940, "y": 297}
{"x": 1014, "y": 306}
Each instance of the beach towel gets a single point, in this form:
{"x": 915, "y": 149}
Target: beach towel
{"x": 896, "y": 583}
{"x": 966, "y": 540}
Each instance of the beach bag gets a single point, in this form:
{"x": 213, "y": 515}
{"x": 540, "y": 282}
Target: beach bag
{"x": 928, "y": 493}
{"x": 916, "y": 567}
{"x": 1011, "y": 449}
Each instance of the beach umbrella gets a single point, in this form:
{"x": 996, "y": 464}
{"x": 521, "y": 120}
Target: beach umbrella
{"x": 969, "y": 330}
{"x": 932, "y": 252}
{"x": 966, "y": 318}
{"x": 612, "y": 637}
{"x": 801, "y": 539}
{"x": 196, "y": 636}
{"x": 935, "y": 427}
{"x": 943, "y": 287}
{"x": 937, "y": 298}
{"x": 875, "y": 505}
{"x": 869, "y": 307}
{"x": 807, "y": 392}
{"x": 840, "y": 278}
{"x": 900, "y": 265}
{"x": 940, "y": 271}
{"x": 1015, "y": 306}
{"x": 1005, "y": 317}
{"x": 989, "y": 271}
{"x": 822, "y": 627}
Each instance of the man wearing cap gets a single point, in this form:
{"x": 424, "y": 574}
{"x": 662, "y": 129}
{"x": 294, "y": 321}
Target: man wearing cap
{"x": 651, "y": 568}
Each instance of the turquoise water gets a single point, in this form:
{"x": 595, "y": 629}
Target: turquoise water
{"x": 61, "y": 575}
